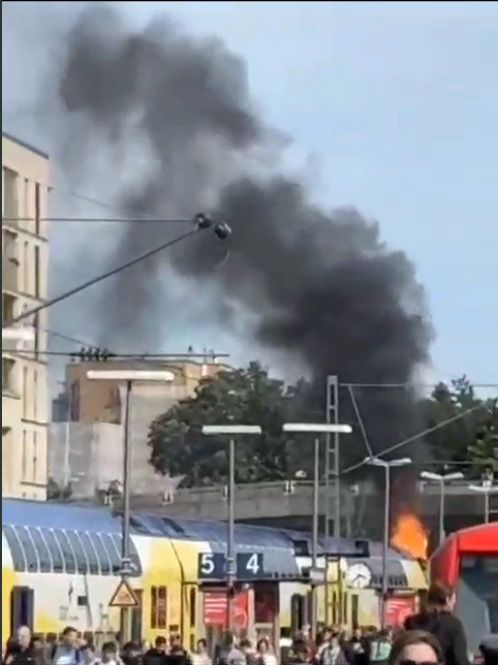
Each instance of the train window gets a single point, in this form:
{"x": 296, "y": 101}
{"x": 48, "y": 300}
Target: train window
{"x": 18, "y": 558}
{"x": 42, "y": 549}
{"x": 81, "y": 560}
{"x": 91, "y": 554}
{"x": 105, "y": 564}
{"x": 345, "y": 616}
{"x": 334, "y": 607}
{"x": 193, "y": 608}
{"x": 158, "y": 607}
{"x": 112, "y": 551}
{"x": 55, "y": 550}
{"x": 29, "y": 549}
{"x": 297, "y": 612}
{"x": 67, "y": 551}
{"x": 354, "y": 611}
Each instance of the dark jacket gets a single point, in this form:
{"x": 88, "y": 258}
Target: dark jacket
{"x": 154, "y": 657}
{"x": 449, "y": 632}
{"x": 489, "y": 649}
{"x": 16, "y": 656}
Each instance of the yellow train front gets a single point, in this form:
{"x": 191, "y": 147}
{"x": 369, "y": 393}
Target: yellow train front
{"x": 61, "y": 566}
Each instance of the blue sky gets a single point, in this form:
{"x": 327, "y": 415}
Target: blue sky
{"x": 393, "y": 108}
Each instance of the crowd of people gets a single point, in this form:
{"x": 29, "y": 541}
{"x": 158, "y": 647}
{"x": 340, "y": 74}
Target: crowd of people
{"x": 433, "y": 637}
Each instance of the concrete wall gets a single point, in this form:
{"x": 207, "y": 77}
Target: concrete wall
{"x": 25, "y": 188}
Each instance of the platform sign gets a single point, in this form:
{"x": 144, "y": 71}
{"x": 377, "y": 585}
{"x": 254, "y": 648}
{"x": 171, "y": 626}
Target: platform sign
{"x": 212, "y": 565}
{"x": 124, "y": 596}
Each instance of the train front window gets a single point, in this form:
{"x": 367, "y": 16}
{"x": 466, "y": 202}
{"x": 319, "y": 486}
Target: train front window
{"x": 480, "y": 575}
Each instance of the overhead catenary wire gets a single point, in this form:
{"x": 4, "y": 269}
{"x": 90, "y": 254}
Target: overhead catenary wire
{"x": 106, "y": 220}
{"x": 414, "y": 437}
{"x": 113, "y": 356}
{"x": 103, "y": 276}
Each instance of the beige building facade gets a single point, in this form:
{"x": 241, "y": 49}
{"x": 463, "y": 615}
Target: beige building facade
{"x": 25, "y": 190}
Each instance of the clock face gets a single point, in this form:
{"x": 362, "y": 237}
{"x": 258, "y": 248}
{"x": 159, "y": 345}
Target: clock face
{"x": 359, "y": 576}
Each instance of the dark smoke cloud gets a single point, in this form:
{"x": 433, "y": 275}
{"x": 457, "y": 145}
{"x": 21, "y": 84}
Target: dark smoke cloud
{"x": 321, "y": 287}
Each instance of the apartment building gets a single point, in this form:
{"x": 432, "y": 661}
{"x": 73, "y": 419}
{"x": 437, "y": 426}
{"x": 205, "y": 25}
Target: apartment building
{"x": 25, "y": 188}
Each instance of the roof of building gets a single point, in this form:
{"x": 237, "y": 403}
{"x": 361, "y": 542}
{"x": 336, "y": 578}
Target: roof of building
{"x": 26, "y": 145}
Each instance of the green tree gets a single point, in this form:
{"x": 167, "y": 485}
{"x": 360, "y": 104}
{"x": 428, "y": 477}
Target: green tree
{"x": 471, "y": 438}
{"x": 245, "y": 396}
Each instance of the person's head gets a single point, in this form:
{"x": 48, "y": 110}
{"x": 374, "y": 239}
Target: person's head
{"x": 160, "y": 643}
{"x": 23, "y": 637}
{"x": 109, "y": 652}
{"x": 245, "y": 645}
{"x": 202, "y": 646}
{"x": 70, "y": 637}
{"x": 440, "y": 597}
{"x": 263, "y": 645}
{"x": 357, "y": 633}
{"x": 175, "y": 641}
{"x": 416, "y": 647}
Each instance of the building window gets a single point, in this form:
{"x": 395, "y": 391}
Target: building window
{"x": 10, "y": 262}
{"x": 158, "y": 607}
{"x": 37, "y": 272}
{"x": 75, "y": 401}
{"x": 24, "y": 392}
{"x": 37, "y": 208}
{"x": 8, "y": 374}
{"x": 10, "y": 199}
{"x": 25, "y": 268}
{"x": 24, "y": 461}
{"x": 36, "y": 326}
{"x": 35, "y": 395}
{"x": 25, "y": 210}
{"x": 8, "y": 307}
{"x": 35, "y": 456}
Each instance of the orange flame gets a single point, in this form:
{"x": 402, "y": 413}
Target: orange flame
{"x": 410, "y": 535}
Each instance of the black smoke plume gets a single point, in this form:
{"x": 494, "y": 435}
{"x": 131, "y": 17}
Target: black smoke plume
{"x": 322, "y": 287}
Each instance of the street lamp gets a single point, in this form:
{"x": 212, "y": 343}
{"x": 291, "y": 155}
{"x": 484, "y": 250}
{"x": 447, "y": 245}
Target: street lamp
{"x": 387, "y": 465}
{"x": 486, "y": 489}
{"x": 316, "y": 428}
{"x": 128, "y": 377}
{"x": 231, "y": 568}
{"x": 442, "y": 479}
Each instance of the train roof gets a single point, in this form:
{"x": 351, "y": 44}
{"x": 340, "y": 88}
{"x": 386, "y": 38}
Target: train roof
{"x": 477, "y": 539}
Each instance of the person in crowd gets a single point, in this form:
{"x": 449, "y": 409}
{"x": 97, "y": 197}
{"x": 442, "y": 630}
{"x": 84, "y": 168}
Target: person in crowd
{"x": 66, "y": 653}
{"x": 333, "y": 653}
{"x": 489, "y": 650}
{"x": 132, "y": 654}
{"x": 88, "y": 655}
{"x": 357, "y": 648}
{"x": 20, "y": 650}
{"x": 229, "y": 653}
{"x": 265, "y": 655}
{"x": 322, "y": 641}
{"x": 177, "y": 655}
{"x": 249, "y": 651}
{"x": 416, "y": 647}
{"x": 439, "y": 620}
{"x": 156, "y": 655}
{"x": 110, "y": 654}
{"x": 201, "y": 655}
{"x": 300, "y": 653}
{"x": 380, "y": 648}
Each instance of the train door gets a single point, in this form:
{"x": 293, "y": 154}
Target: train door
{"x": 136, "y": 617}
{"x": 266, "y": 610}
{"x": 191, "y": 632}
{"x": 22, "y": 608}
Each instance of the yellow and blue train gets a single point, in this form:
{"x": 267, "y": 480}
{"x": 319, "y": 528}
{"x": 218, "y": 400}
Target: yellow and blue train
{"x": 61, "y": 565}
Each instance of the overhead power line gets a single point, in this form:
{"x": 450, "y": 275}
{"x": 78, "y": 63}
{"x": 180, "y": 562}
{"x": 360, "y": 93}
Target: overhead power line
{"x": 410, "y": 439}
{"x": 111, "y": 355}
{"x": 117, "y": 220}
{"x": 202, "y": 222}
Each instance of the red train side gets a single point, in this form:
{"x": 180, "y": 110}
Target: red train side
{"x": 467, "y": 562}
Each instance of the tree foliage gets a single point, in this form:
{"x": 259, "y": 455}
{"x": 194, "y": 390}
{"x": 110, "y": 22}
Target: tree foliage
{"x": 249, "y": 396}
{"x": 244, "y": 396}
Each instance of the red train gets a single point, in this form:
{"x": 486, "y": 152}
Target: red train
{"x": 467, "y": 562}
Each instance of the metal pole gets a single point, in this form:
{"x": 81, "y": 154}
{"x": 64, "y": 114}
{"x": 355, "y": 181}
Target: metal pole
{"x": 486, "y": 507}
{"x": 231, "y": 569}
{"x": 441, "y": 510}
{"x": 326, "y": 488}
{"x": 125, "y": 540}
{"x": 314, "y": 546}
{"x": 67, "y": 435}
{"x": 385, "y": 547}
{"x": 337, "y": 471}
